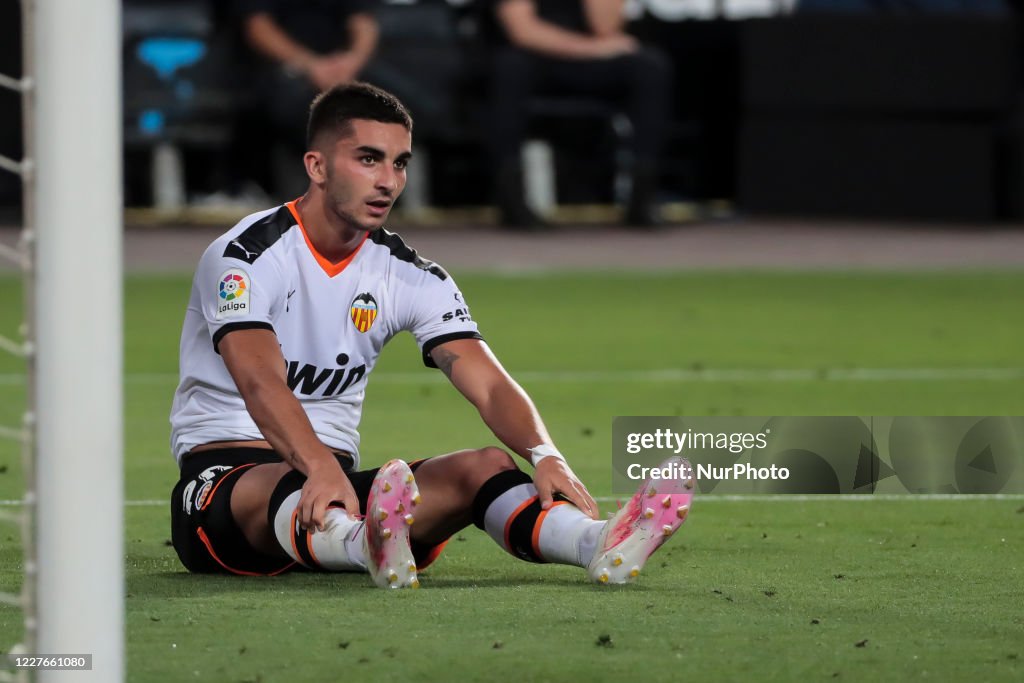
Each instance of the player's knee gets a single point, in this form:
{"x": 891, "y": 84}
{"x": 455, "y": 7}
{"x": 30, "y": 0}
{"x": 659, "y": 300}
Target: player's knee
{"x": 494, "y": 460}
{"x": 479, "y": 465}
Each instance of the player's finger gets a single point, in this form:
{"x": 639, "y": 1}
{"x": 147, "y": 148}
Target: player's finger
{"x": 580, "y": 497}
{"x": 318, "y": 513}
{"x": 545, "y": 493}
{"x": 591, "y": 508}
{"x": 351, "y": 502}
{"x": 305, "y": 509}
{"x": 309, "y": 503}
{"x": 589, "y": 504}
{"x": 577, "y": 498}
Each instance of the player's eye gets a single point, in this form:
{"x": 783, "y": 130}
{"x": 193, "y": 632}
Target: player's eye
{"x": 368, "y": 159}
{"x": 401, "y": 164}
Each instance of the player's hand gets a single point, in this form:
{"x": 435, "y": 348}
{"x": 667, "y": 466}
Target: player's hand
{"x": 553, "y": 475}
{"x": 325, "y": 483}
{"x": 615, "y": 45}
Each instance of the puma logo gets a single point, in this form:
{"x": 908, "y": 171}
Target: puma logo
{"x": 248, "y": 254}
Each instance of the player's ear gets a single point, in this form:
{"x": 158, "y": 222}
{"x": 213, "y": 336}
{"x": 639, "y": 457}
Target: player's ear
{"x": 315, "y": 166}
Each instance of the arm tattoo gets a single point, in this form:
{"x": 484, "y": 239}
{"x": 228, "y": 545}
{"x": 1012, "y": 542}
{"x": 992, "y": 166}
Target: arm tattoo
{"x": 445, "y": 360}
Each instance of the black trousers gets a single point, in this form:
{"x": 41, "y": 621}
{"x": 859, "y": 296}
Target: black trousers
{"x": 639, "y": 83}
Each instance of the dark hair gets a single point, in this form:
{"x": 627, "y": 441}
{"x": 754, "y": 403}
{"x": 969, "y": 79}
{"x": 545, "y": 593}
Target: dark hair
{"x": 332, "y": 111}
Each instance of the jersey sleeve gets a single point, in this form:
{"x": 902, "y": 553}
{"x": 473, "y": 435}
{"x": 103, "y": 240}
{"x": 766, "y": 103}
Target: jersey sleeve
{"x": 431, "y": 307}
{"x": 236, "y": 295}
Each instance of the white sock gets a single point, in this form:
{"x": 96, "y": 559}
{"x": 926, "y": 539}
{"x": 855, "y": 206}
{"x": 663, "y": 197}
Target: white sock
{"x": 567, "y": 536}
{"x": 338, "y": 547}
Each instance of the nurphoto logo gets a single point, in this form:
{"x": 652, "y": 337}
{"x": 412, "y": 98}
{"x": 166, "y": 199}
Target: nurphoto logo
{"x": 636, "y": 471}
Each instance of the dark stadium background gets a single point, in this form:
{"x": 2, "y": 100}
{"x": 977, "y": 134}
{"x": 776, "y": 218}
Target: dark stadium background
{"x": 902, "y": 112}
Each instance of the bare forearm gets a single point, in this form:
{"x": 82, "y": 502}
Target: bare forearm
{"x": 511, "y": 415}
{"x": 554, "y": 41}
{"x": 530, "y": 32}
{"x": 363, "y": 36}
{"x": 270, "y": 40}
{"x": 502, "y": 404}
{"x": 605, "y": 17}
{"x": 284, "y": 424}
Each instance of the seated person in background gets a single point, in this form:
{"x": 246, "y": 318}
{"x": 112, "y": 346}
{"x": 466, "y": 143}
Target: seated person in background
{"x": 306, "y": 47}
{"x": 573, "y": 47}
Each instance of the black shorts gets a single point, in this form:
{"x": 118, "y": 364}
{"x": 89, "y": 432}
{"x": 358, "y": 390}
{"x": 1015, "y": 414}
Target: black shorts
{"x": 204, "y": 532}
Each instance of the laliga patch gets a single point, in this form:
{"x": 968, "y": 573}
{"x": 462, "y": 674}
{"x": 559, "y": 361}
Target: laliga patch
{"x": 233, "y": 294}
{"x": 363, "y": 311}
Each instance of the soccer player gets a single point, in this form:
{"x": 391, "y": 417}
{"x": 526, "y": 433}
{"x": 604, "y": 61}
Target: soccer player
{"x": 288, "y": 313}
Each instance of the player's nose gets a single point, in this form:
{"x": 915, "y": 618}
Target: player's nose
{"x": 387, "y": 180}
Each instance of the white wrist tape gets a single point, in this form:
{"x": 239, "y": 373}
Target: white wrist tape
{"x": 545, "y": 450}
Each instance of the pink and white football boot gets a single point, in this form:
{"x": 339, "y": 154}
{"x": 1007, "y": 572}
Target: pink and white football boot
{"x": 652, "y": 515}
{"x": 389, "y": 515}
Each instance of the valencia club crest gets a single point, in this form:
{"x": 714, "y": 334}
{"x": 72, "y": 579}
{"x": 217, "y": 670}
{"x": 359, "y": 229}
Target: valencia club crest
{"x": 363, "y": 311}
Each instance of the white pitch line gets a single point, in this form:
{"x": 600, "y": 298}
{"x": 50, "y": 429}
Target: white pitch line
{"x": 738, "y": 498}
{"x": 709, "y": 375}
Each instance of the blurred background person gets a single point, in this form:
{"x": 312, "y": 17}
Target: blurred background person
{"x": 302, "y": 47}
{"x": 572, "y": 47}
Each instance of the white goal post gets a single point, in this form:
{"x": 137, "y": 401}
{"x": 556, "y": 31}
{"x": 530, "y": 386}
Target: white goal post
{"x": 74, "y": 602}
{"x": 78, "y": 314}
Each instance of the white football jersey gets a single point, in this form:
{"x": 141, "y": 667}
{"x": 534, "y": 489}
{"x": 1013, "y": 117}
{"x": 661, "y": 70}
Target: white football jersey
{"x": 331, "y": 321}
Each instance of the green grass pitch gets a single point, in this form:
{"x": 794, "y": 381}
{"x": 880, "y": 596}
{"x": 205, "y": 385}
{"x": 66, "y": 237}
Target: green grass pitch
{"x": 787, "y": 590}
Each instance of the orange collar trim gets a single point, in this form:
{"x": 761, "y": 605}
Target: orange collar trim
{"x": 331, "y": 269}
